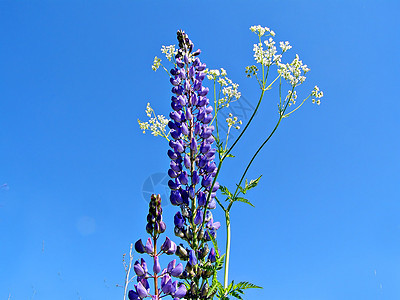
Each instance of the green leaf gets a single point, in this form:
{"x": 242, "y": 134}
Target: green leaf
{"x": 224, "y": 190}
{"x": 241, "y": 199}
{"x": 246, "y": 285}
{"x": 253, "y": 183}
{"x": 247, "y": 186}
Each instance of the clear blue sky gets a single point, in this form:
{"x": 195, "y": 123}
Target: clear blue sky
{"x": 76, "y": 75}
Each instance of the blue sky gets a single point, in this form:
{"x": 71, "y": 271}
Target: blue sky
{"x": 76, "y": 75}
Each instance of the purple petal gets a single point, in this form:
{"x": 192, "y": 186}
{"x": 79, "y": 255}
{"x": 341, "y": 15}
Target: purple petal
{"x": 149, "y": 247}
{"x": 156, "y": 266}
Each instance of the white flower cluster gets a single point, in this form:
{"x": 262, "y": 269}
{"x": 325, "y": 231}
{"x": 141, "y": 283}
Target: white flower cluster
{"x": 156, "y": 63}
{"x": 317, "y": 94}
{"x": 156, "y": 124}
{"x": 266, "y": 57}
{"x": 229, "y": 88}
{"x": 169, "y": 51}
{"x": 292, "y": 96}
{"x": 293, "y": 72}
{"x": 261, "y": 30}
{"x": 231, "y": 120}
{"x": 284, "y": 46}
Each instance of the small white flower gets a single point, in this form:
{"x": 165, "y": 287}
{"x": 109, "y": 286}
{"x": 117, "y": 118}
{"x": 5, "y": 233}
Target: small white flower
{"x": 156, "y": 63}
{"x": 285, "y": 46}
{"x": 169, "y": 51}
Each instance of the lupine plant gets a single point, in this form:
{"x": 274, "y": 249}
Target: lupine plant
{"x": 197, "y": 151}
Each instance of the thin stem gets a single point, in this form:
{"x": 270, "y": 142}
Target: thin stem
{"x": 228, "y": 247}
{"x": 155, "y": 274}
{"x": 281, "y": 116}
{"x": 287, "y": 115}
{"x": 128, "y": 270}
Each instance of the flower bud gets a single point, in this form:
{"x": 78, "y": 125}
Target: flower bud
{"x": 192, "y": 258}
{"x": 199, "y": 217}
{"x": 200, "y": 235}
{"x": 203, "y": 251}
{"x": 156, "y": 266}
{"x": 204, "y": 290}
{"x": 188, "y": 234}
{"x": 179, "y": 232}
{"x": 181, "y": 252}
{"x": 149, "y": 228}
{"x": 212, "y": 256}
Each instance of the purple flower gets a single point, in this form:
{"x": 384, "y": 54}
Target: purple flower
{"x": 132, "y": 295}
{"x": 139, "y": 247}
{"x": 138, "y": 269}
{"x": 181, "y": 291}
{"x": 156, "y": 266}
{"x": 192, "y": 258}
{"x": 211, "y": 255}
{"x": 166, "y": 245}
{"x": 179, "y": 221}
{"x": 177, "y": 271}
{"x": 149, "y": 247}
{"x": 199, "y": 217}
{"x": 140, "y": 290}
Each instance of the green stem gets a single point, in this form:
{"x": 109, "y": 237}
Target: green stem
{"x": 228, "y": 247}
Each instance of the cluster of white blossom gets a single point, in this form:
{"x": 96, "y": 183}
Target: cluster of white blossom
{"x": 291, "y": 96}
{"x": 285, "y": 46}
{"x": 317, "y": 94}
{"x": 156, "y": 123}
{"x": 233, "y": 121}
{"x": 156, "y": 63}
{"x": 266, "y": 57}
{"x": 293, "y": 72}
{"x": 169, "y": 51}
{"x": 229, "y": 89}
{"x": 261, "y": 30}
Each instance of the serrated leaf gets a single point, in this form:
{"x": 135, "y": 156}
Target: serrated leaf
{"x": 246, "y": 285}
{"x": 224, "y": 190}
{"x": 241, "y": 199}
{"x": 236, "y": 295}
{"x": 252, "y": 184}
